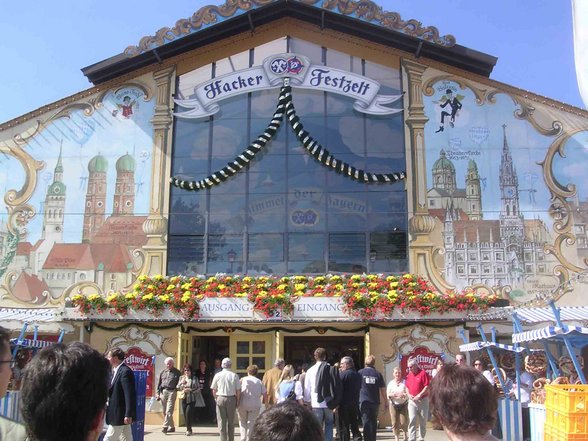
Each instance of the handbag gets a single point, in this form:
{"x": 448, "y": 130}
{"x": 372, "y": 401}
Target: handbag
{"x": 197, "y": 398}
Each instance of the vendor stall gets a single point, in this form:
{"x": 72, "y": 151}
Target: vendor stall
{"x": 564, "y": 410}
{"x": 509, "y": 407}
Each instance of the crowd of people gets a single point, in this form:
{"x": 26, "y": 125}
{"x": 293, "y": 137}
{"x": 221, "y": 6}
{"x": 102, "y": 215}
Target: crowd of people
{"x": 91, "y": 388}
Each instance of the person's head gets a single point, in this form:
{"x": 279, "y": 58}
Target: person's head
{"x": 217, "y": 363}
{"x": 370, "y": 361}
{"x": 460, "y": 359}
{"x": 479, "y": 365}
{"x": 115, "y": 356}
{"x": 64, "y": 393}
{"x": 252, "y": 370}
{"x": 346, "y": 363}
{"x": 320, "y": 354}
{"x": 187, "y": 370}
{"x": 127, "y": 99}
{"x": 287, "y": 421}
{"x": 169, "y": 362}
{"x": 226, "y": 363}
{"x": 203, "y": 365}
{"x": 287, "y": 373}
{"x": 463, "y": 400}
{"x": 397, "y": 373}
{"x": 280, "y": 363}
{"x": 449, "y": 92}
{"x": 6, "y": 362}
{"x": 440, "y": 363}
{"x": 413, "y": 366}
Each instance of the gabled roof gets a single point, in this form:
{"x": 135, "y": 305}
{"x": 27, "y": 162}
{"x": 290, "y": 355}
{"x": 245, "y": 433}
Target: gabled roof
{"x": 29, "y": 288}
{"x": 363, "y": 19}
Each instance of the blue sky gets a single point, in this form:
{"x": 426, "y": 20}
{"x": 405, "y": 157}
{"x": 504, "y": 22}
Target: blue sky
{"x": 45, "y": 46}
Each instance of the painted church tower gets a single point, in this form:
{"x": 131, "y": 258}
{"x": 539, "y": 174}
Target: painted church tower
{"x": 95, "y": 208}
{"x": 54, "y": 206}
{"x": 512, "y": 228}
{"x": 444, "y": 173}
{"x": 473, "y": 192}
{"x": 124, "y": 191}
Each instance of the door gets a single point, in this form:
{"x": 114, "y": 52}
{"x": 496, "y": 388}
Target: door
{"x": 248, "y": 349}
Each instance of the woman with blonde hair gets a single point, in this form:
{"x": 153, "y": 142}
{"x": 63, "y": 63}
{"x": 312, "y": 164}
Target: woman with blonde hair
{"x": 288, "y": 388}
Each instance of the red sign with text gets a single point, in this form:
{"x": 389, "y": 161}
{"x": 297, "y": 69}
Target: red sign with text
{"x": 138, "y": 360}
{"x": 426, "y": 359}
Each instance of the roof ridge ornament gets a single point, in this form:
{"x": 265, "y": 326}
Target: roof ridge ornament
{"x": 364, "y": 10}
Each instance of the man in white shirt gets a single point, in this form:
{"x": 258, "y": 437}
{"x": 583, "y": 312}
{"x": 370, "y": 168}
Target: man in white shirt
{"x": 226, "y": 389}
{"x": 321, "y": 411}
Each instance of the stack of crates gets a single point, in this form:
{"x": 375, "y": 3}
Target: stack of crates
{"x": 566, "y": 412}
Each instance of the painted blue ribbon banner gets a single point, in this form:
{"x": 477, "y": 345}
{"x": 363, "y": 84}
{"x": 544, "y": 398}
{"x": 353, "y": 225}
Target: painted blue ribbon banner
{"x": 298, "y": 72}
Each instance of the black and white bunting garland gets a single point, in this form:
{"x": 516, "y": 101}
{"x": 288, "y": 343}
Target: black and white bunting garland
{"x": 322, "y": 155}
{"x": 246, "y": 156}
{"x": 286, "y": 106}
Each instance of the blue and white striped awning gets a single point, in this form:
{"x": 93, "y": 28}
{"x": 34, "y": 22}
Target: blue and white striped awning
{"x": 578, "y": 335}
{"x": 540, "y": 315}
{"x": 479, "y": 345}
{"x": 28, "y": 315}
{"x": 30, "y": 343}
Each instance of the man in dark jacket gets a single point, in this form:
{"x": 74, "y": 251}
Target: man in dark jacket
{"x": 373, "y": 390}
{"x": 122, "y": 401}
{"x": 348, "y": 408}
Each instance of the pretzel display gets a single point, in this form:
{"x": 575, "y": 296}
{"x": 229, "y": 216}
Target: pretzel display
{"x": 540, "y": 383}
{"x": 508, "y": 361}
{"x": 566, "y": 365}
{"x": 561, "y": 380}
{"x": 536, "y": 363}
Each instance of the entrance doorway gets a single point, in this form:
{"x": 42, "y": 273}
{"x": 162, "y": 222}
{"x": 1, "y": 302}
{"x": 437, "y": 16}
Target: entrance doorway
{"x": 299, "y": 350}
{"x": 209, "y": 349}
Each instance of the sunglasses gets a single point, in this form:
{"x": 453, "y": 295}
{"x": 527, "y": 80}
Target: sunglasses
{"x": 12, "y": 364}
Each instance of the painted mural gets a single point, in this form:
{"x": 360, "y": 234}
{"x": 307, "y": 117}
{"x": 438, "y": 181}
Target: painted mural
{"x": 84, "y": 176}
{"x": 492, "y": 185}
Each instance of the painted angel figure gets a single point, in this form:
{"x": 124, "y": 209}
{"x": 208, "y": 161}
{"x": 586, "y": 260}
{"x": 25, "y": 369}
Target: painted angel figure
{"x": 126, "y": 107}
{"x": 455, "y": 106}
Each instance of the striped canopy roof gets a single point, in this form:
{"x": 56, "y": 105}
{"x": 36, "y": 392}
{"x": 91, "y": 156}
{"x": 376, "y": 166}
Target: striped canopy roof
{"x": 478, "y": 345}
{"x": 578, "y": 335}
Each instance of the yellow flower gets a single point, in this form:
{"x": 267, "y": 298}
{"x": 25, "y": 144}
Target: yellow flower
{"x": 130, "y": 296}
{"x": 221, "y": 286}
{"x": 142, "y": 278}
{"x": 186, "y": 286}
{"x": 392, "y": 293}
{"x": 339, "y": 287}
{"x": 391, "y": 278}
{"x": 300, "y": 286}
{"x": 393, "y": 284}
{"x": 372, "y": 277}
{"x": 174, "y": 279}
{"x": 282, "y": 287}
{"x": 407, "y": 276}
{"x": 76, "y": 297}
{"x": 300, "y": 293}
{"x": 164, "y": 298}
{"x": 262, "y": 294}
{"x": 151, "y": 287}
{"x": 171, "y": 287}
{"x": 247, "y": 279}
{"x": 147, "y": 297}
{"x": 355, "y": 277}
{"x": 241, "y": 294}
{"x": 186, "y": 297}
{"x": 158, "y": 277}
{"x": 93, "y": 297}
{"x": 318, "y": 294}
{"x": 372, "y": 285}
{"x": 111, "y": 297}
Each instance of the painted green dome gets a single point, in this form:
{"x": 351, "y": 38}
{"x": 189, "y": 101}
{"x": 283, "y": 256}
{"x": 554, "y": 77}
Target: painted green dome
{"x": 57, "y": 188}
{"x": 125, "y": 163}
{"x": 443, "y": 163}
{"x": 98, "y": 164}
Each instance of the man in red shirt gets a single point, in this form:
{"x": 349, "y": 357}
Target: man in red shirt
{"x": 417, "y": 383}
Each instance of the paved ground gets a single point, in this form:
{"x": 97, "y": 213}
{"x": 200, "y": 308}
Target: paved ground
{"x": 210, "y": 433}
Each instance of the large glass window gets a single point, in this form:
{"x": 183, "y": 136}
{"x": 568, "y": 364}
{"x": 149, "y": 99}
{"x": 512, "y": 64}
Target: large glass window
{"x": 286, "y": 213}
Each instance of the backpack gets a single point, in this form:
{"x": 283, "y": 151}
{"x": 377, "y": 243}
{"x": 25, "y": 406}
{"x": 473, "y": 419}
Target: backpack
{"x": 289, "y": 394}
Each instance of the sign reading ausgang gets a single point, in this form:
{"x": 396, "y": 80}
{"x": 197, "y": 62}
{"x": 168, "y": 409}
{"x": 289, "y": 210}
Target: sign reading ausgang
{"x": 297, "y": 70}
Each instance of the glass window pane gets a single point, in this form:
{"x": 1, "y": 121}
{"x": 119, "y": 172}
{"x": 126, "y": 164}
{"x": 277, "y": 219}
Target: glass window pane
{"x": 242, "y": 363}
{"x": 242, "y": 347}
{"x": 259, "y": 361}
{"x": 258, "y": 347}
{"x": 225, "y": 254}
{"x": 186, "y": 255}
{"x": 347, "y": 253}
